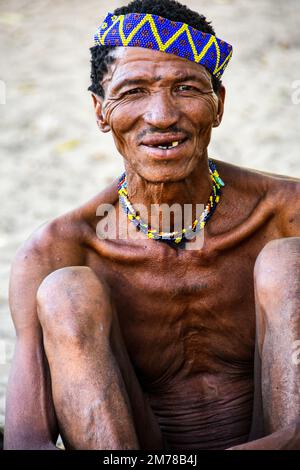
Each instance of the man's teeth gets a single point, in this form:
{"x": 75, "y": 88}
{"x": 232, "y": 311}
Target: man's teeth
{"x": 167, "y": 147}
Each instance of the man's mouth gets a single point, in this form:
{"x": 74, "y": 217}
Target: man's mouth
{"x": 168, "y": 146}
{"x": 164, "y": 142}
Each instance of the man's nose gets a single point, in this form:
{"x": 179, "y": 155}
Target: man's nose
{"x": 161, "y": 111}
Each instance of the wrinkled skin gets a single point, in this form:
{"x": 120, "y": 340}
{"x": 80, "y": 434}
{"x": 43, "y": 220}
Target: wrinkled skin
{"x": 147, "y": 345}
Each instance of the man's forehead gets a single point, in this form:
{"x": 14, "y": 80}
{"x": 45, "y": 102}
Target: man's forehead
{"x": 131, "y": 62}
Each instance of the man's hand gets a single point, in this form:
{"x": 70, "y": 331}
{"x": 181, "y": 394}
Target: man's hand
{"x": 287, "y": 438}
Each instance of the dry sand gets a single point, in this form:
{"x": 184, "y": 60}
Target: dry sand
{"x": 52, "y": 155}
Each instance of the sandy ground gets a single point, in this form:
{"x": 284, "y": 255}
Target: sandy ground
{"x": 52, "y": 156}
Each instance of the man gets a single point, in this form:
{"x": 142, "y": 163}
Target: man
{"x": 140, "y": 343}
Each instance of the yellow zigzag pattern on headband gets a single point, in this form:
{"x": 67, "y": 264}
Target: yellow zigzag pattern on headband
{"x": 101, "y": 36}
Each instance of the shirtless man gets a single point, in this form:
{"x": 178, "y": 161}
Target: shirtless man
{"x": 140, "y": 344}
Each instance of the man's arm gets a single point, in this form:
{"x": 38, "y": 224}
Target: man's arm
{"x": 30, "y": 415}
{"x": 287, "y": 438}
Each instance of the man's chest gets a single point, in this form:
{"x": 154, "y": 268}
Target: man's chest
{"x": 184, "y": 313}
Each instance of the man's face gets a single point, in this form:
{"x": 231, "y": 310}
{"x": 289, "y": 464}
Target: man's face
{"x": 161, "y": 109}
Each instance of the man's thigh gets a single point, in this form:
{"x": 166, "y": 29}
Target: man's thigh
{"x": 146, "y": 424}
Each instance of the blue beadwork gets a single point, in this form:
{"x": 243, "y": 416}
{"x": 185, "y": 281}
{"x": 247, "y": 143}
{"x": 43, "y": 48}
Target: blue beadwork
{"x": 173, "y": 37}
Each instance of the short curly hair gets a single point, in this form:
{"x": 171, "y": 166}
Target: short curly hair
{"x": 101, "y": 56}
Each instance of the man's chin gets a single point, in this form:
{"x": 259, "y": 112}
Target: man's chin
{"x": 163, "y": 175}
{"x": 158, "y": 171}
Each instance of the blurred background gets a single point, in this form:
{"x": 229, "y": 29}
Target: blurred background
{"x": 52, "y": 156}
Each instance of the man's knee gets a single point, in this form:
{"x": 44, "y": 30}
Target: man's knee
{"x": 278, "y": 259}
{"x": 276, "y": 272}
{"x": 73, "y": 302}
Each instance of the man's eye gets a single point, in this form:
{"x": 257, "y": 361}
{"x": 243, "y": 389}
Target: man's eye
{"x": 134, "y": 91}
{"x": 186, "y": 88}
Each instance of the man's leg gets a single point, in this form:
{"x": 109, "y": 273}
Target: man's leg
{"x": 277, "y": 291}
{"x": 98, "y": 400}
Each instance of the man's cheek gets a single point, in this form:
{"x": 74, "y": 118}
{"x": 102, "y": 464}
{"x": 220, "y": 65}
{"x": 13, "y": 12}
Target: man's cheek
{"x": 208, "y": 107}
{"x": 109, "y": 110}
{"x": 122, "y": 139}
{"x": 122, "y": 117}
{"x": 118, "y": 110}
{"x": 204, "y": 134}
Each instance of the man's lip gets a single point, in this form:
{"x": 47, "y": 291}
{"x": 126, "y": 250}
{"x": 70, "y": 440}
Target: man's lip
{"x": 166, "y": 154}
{"x": 165, "y": 140}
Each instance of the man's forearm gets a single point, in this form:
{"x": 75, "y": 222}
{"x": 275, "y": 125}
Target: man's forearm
{"x": 287, "y": 438}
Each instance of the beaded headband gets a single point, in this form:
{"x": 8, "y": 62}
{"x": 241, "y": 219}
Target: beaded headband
{"x": 158, "y": 33}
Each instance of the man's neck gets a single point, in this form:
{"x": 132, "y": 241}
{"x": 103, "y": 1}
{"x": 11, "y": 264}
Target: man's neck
{"x": 193, "y": 190}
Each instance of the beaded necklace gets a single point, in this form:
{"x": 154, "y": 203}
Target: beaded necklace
{"x": 177, "y": 238}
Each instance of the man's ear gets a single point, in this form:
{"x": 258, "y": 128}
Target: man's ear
{"x": 221, "y": 100}
{"x": 98, "y": 105}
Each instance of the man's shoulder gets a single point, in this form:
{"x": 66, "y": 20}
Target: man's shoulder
{"x": 65, "y": 235}
{"x": 269, "y": 182}
{"x": 53, "y": 243}
{"x": 253, "y": 172}
{"x": 280, "y": 192}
